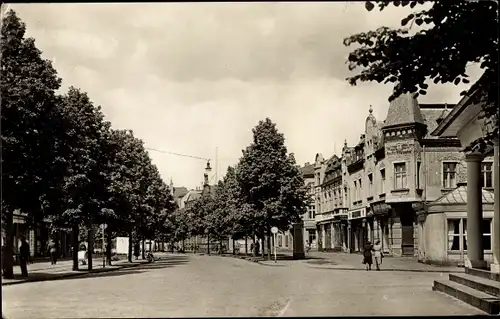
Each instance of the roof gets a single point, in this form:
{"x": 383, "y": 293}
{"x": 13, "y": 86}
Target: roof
{"x": 180, "y": 192}
{"x": 192, "y": 195}
{"x": 458, "y": 196}
{"x": 307, "y": 170}
{"x": 431, "y": 117}
{"x": 460, "y": 107}
{"x": 403, "y": 110}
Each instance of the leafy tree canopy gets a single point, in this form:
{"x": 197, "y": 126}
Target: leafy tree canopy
{"x": 435, "y": 44}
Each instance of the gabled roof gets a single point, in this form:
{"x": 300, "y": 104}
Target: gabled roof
{"x": 431, "y": 119}
{"x": 192, "y": 195}
{"x": 180, "y": 192}
{"x": 307, "y": 170}
{"x": 458, "y": 196}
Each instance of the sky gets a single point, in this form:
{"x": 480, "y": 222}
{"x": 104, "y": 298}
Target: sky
{"x": 195, "y": 78}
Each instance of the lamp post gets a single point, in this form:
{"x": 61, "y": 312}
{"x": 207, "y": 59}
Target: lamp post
{"x": 364, "y": 231}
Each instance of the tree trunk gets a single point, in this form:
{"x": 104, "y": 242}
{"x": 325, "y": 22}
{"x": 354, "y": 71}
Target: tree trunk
{"x": 76, "y": 245}
{"x": 8, "y": 253}
{"x": 90, "y": 240}
{"x": 109, "y": 244}
{"x": 130, "y": 246}
{"x": 263, "y": 244}
{"x": 208, "y": 244}
{"x": 143, "y": 252}
{"x": 234, "y": 247}
{"x": 246, "y": 245}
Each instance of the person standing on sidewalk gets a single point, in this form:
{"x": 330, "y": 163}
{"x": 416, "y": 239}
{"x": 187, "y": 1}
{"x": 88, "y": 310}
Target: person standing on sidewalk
{"x": 24, "y": 256}
{"x": 367, "y": 256}
{"x": 377, "y": 253}
{"x": 53, "y": 251}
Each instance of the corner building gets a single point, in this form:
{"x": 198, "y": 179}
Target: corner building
{"x": 385, "y": 179}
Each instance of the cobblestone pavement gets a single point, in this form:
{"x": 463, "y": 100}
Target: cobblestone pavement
{"x": 189, "y": 285}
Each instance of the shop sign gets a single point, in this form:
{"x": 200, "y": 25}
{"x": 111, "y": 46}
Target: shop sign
{"x": 357, "y": 213}
{"x": 380, "y": 208}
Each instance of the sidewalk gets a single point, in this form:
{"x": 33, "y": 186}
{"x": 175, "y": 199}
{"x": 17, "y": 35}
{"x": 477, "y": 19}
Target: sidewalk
{"x": 345, "y": 261}
{"x": 64, "y": 269}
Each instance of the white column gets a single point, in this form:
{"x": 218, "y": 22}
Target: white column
{"x": 475, "y": 250}
{"x": 495, "y": 266}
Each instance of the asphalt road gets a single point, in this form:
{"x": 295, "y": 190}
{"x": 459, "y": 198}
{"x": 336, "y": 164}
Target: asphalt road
{"x": 188, "y": 286}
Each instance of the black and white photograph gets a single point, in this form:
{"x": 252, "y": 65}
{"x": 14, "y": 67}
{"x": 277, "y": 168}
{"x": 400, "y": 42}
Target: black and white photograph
{"x": 249, "y": 159}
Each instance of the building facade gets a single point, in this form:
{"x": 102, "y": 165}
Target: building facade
{"x": 386, "y": 177}
{"x": 309, "y": 217}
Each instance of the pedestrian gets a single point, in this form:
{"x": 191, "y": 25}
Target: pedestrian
{"x": 377, "y": 253}
{"x": 52, "y": 247}
{"x": 24, "y": 256}
{"x": 367, "y": 256}
{"x": 252, "y": 249}
{"x": 257, "y": 248}
{"x": 308, "y": 247}
{"x": 136, "y": 251}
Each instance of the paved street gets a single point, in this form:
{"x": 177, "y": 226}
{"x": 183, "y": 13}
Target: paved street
{"x": 190, "y": 285}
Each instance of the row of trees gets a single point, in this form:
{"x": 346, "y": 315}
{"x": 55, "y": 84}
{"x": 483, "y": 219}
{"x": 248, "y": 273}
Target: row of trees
{"x": 264, "y": 189}
{"x": 62, "y": 160}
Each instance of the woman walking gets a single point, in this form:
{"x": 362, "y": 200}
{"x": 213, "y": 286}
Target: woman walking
{"x": 367, "y": 256}
{"x": 377, "y": 253}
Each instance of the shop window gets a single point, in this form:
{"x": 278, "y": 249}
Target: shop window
{"x": 487, "y": 174}
{"x": 449, "y": 175}
{"x": 400, "y": 176}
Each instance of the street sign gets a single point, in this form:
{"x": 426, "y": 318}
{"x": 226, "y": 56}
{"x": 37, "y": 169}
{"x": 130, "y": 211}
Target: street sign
{"x": 274, "y": 230}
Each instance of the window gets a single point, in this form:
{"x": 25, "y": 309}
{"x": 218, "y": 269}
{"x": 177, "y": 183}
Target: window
{"x": 311, "y": 212}
{"x": 449, "y": 175}
{"x": 487, "y": 174}
{"x": 457, "y": 234}
{"x": 418, "y": 175}
{"x": 345, "y": 196}
{"x": 355, "y": 191}
{"x": 280, "y": 241}
{"x": 399, "y": 175}
{"x": 286, "y": 240}
{"x": 360, "y": 194}
{"x": 486, "y": 230}
{"x": 370, "y": 184}
{"x": 382, "y": 181}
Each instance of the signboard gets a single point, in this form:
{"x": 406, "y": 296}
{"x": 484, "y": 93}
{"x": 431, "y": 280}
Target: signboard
{"x": 274, "y": 230}
{"x": 380, "y": 208}
{"x": 359, "y": 213}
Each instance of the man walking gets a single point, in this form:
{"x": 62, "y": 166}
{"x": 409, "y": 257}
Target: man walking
{"x": 24, "y": 255}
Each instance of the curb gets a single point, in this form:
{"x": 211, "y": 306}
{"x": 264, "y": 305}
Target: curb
{"x": 70, "y": 275}
{"x": 392, "y": 270}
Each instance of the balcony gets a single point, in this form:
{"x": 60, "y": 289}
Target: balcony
{"x": 356, "y": 166}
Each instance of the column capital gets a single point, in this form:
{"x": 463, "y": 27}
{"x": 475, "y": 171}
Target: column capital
{"x": 474, "y": 157}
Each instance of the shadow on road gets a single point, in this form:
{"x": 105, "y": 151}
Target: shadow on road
{"x": 165, "y": 262}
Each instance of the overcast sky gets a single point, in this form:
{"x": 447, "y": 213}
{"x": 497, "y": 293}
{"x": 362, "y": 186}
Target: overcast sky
{"x": 190, "y": 77}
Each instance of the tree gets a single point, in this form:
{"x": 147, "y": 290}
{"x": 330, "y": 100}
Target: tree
{"x": 28, "y": 84}
{"x": 270, "y": 180}
{"x": 452, "y": 35}
{"x": 84, "y": 194}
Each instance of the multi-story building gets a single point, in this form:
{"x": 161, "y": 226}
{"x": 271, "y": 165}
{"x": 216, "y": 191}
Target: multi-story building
{"x": 330, "y": 204}
{"x": 393, "y": 169}
{"x": 309, "y": 216}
